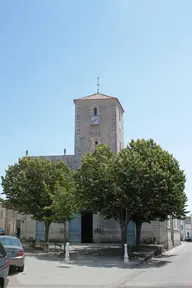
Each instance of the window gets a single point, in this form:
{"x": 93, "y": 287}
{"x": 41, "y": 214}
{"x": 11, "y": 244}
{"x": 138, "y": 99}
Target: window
{"x": 8, "y": 241}
{"x": 95, "y": 111}
{"x": 2, "y": 251}
{"x": 96, "y": 143}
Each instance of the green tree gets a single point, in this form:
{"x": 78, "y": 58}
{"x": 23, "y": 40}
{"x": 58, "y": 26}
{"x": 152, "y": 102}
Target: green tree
{"x": 161, "y": 182}
{"x": 142, "y": 183}
{"x": 104, "y": 185}
{"x": 92, "y": 179}
{"x": 29, "y": 185}
{"x": 64, "y": 202}
{"x": 124, "y": 198}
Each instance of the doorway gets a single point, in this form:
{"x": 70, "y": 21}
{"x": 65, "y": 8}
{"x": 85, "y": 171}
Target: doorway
{"x": 87, "y": 228}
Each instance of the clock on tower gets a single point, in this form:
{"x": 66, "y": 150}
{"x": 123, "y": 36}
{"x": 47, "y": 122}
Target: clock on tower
{"x": 95, "y": 120}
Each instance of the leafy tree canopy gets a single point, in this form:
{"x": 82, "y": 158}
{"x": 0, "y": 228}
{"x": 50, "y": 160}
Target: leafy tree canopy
{"x": 142, "y": 181}
{"x": 104, "y": 184}
{"x": 30, "y": 184}
{"x": 64, "y": 202}
{"x": 161, "y": 181}
{"x": 92, "y": 179}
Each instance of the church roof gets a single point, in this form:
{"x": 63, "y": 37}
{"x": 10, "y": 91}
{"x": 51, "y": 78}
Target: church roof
{"x": 99, "y": 96}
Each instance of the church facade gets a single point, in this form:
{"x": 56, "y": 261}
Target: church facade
{"x": 98, "y": 120}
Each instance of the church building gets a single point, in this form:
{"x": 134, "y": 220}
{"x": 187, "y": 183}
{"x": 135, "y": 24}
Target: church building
{"x": 98, "y": 120}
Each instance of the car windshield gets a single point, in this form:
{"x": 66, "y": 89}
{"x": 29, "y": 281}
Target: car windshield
{"x": 10, "y": 241}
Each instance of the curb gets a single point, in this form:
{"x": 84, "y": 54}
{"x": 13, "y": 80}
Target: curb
{"x": 149, "y": 257}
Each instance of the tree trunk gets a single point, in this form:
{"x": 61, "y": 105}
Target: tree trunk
{"x": 65, "y": 234}
{"x": 138, "y": 234}
{"x": 47, "y": 225}
{"x": 123, "y": 239}
{"x": 123, "y": 226}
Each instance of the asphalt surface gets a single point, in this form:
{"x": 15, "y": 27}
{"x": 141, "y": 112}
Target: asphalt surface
{"x": 173, "y": 269}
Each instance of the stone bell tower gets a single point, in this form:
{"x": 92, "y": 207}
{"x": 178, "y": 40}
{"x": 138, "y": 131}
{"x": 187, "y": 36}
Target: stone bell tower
{"x": 98, "y": 120}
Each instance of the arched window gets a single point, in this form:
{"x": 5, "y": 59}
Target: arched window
{"x": 95, "y": 111}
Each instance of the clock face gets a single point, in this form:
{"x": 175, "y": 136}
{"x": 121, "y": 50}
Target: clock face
{"x": 94, "y": 120}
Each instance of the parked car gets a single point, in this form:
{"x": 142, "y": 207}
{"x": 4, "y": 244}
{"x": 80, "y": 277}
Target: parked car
{"x": 4, "y": 267}
{"x": 2, "y": 231}
{"x": 15, "y": 251}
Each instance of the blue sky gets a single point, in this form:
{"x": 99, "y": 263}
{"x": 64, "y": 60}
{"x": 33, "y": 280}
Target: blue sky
{"x": 52, "y": 52}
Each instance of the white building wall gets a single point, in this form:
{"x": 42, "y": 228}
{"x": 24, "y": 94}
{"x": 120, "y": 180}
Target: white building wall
{"x": 3, "y": 218}
{"x": 165, "y": 234}
{"x": 56, "y": 232}
{"x": 97, "y": 236}
{"x": 28, "y": 228}
{"x": 188, "y": 230}
{"x": 105, "y": 230}
{"x": 183, "y": 232}
{"x": 111, "y": 232}
{"x": 150, "y": 230}
{"x": 176, "y": 232}
{"x": 10, "y": 221}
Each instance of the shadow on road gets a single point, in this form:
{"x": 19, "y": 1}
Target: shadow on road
{"x": 153, "y": 263}
{"x": 13, "y": 271}
{"x": 166, "y": 256}
{"x": 102, "y": 262}
{"x": 100, "y": 257}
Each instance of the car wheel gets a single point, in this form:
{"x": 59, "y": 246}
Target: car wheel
{"x": 20, "y": 269}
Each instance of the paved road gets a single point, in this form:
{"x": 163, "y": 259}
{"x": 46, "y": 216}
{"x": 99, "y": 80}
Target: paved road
{"x": 85, "y": 272}
{"x": 172, "y": 270}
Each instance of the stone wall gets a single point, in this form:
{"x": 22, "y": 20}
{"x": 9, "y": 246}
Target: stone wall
{"x": 105, "y": 230}
{"x": 150, "y": 230}
{"x": 183, "y": 230}
{"x": 28, "y": 228}
{"x": 56, "y": 232}
{"x": 166, "y": 235}
{"x": 73, "y": 161}
{"x": 86, "y": 134}
{"x": 3, "y": 218}
{"x": 176, "y": 232}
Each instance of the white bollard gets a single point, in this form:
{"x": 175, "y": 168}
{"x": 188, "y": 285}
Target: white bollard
{"x": 67, "y": 252}
{"x": 126, "y": 257}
